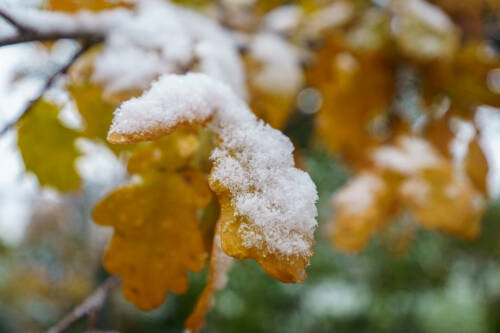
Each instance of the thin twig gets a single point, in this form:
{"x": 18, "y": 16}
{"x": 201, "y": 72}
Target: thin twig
{"x": 48, "y": 84}
{"x": 91, "y": 303}
{"x": 21, "y": 28}
{"x": 34, "y": 36}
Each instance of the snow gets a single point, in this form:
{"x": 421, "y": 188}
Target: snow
{"x": 329, "y": 17}
{"x": 410, "y": 155}
{"x": 281, "y": 72}
{"x": 252, "y": 160}
{"x": 163, "y": 38}
{"x": 283, "y": 19}
{"x": 430, "y": 14}
{"x": 47, "y": 22}
{"x": 359, "y": 194}
{"x": 154, "y": 38}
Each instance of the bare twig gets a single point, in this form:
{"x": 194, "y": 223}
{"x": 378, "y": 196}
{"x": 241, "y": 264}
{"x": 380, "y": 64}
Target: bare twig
{"x": 21, "y": 28}
{"x": 92, "y": 303}
{"x": 50, "y": 81}
{"x": 34, "y": 36}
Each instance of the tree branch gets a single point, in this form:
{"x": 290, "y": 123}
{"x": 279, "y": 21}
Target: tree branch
{"x": 21, "y": 28}
{"x": 48, "y": 84}
{"x": 34, "y": 36}
{"x": 92, "y": 303}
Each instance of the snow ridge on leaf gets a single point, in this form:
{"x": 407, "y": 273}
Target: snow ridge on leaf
{"x": 267, "y": 205}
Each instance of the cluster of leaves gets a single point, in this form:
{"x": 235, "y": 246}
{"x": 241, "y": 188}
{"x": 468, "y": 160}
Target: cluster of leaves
{"x": 387, "y": 78}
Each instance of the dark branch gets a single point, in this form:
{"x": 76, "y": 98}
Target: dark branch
{"x": 42, "y": 37}
{"x": 48, "y": 84}
{"x": 92, "y": 303}
{"x": 21, "y": 28}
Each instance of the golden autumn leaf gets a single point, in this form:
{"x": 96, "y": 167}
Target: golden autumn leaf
{"x": 157, "y": 238}
{"x": 76, "y": 5}
{"x": 362, "y": 207}
{"x": 439, "y": 133}
{"x": 170, "y": 153}
{"x": 345, "y": 119}
{"x": 443, "y": 198}
{"x": 48, "y": 147}
{"x": 439, "y": 195}
{"x": 408, "y": 176}
{"x": 220, "y": 264}
{"x": 476, "y": 166}
{"x": 258, "y": 221}
{"x": 468, "y": 80}
{"x": 289, "y": 269}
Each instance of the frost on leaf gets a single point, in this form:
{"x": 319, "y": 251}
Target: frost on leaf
{"x": 157, "y": 236}
{"x": 220, "y": 264}
{"x": 48, "y": 147}
{"x": 267, "y": 205}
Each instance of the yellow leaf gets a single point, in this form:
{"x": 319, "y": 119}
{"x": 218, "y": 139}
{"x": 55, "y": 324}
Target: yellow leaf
{"x": 96, "y": 113}
{"x": 288, "y": 269}
{"x": 156, "y": 235}
{"x": 281, "y": 245}
{"x": 345, "y": 119}
{"x": 476, "y": 166}
{"x": 47, "y": 147}
{"x": 440, "y": 134}
{"x": 468, "y": 80}
{"x": 76, "y": 5}
{"x": 443, "y": 198}
{"x": 220, "y": 264}
{"x": 167, "y": 154}
{"x": 362, "y": 207}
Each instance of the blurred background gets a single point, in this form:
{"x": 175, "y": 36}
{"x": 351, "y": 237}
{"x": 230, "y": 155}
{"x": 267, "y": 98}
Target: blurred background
{"x": 50, "y": 250}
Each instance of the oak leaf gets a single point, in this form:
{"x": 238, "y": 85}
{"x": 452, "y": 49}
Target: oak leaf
{"x": 344, "y": 121}
{"x": 267, "y": 205}
{"x": 156, "y": 238}
{"x": 48, "y": 147}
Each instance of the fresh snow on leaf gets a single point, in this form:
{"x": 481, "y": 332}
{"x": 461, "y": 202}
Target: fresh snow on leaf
{"x": 274, "y": 201}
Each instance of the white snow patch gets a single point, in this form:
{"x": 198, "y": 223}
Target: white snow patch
{"x": 411, "y": 154}
{"x": 359, "y": 194}
{"x": 281, "y": 72}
